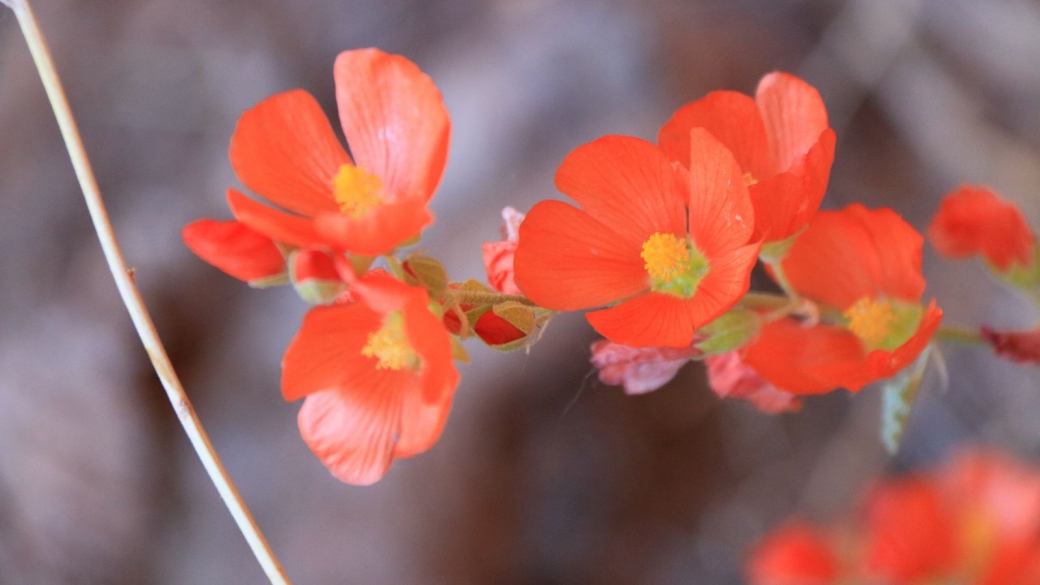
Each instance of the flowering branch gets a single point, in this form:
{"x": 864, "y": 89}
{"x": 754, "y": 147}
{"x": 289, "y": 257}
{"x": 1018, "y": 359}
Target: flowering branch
{"x": 132, "y": 297}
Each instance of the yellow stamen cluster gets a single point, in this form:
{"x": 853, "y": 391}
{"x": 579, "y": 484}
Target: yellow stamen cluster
{"x": 749, "y": 179}
{"x": 871, "y": 320}
{"x": 356, "y": 191}
{"x": 665, "y": 255}
{"x": 390, "y": 345}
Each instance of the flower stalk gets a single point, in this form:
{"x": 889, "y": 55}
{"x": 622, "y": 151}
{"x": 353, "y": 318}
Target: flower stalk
{"x": 131, "y": 296}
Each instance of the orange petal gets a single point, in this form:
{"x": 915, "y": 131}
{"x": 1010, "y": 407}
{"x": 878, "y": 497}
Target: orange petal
{"x": 234, "y": 248}
{"x": 733, "y": 119}
{"x": 649, "y": 320}
{"x": 326, "y": 352}
{"x": 785, "y": 203}
{"x": 627, "y": 184}
{"x": 395, "y": 121}
{"x": 794, "y": 117}
{"x": 975, "y": 220}
{"x": 807, "y": 360}
{"x": 721, "y": 218}
{"x": 846, "y": 255}
{"x": 284, "y": 150}
{"x": 354, "y": 435}
{"x": 567, "y": 261}
{"x": 277, "y": 225}
{"x": 422, "y": 423}
{"x": 885, "y": 364}
{"x": 912, "y": 532}
{"x": 796, "y": 554}
{"x": 428, "y": 336}
{"x": 729, "y": 377}
{"x": 379, "y": 231}
{"x": 727, "y": 281}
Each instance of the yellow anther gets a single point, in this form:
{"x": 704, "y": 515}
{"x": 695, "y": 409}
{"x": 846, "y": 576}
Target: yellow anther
{"x": 390, "y": 345}
{"x": 749, "y": 179}
{"x": 665, "y": 255}
{"x": 871, "y": 320}
{"x": 356, "y": 191}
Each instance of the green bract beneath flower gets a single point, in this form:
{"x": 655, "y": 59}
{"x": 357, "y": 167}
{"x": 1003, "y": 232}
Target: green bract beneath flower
{"x": 675, "y": 265}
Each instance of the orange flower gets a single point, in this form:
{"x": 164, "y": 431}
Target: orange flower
{"x": 796, "y": 554}
{"x": 237, "y": 250}
{"x": 976, "y": 520}
{"x": 377, "y": 377}
{"x": 284, "y": 149}
{"x": 781, "y": 139}
{"x": 866, "y": 267}
{"x": 911, "y": 532}
{"x": 975, "y": 220}
{"x": 670, "y": 246}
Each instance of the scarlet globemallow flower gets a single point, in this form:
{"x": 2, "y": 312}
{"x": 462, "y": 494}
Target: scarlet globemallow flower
{"x": 376, "y": 375}
{"x": 669, "y": 246}
{"x": 974, "y": 220}
{"x": 864, "y": 265}
{"x": 781, "y": 140}
{"x": 796, "y": 554}
{"x": 498, "y": 256}
{"x": 639, "y": 370}
{"x": 368, "y": 202}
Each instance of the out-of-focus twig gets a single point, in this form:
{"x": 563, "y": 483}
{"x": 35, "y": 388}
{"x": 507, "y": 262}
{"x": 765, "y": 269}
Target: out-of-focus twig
{"x": 132, "y": 297}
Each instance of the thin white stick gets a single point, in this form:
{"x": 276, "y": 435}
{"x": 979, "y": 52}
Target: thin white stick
{"x": 132, "y": 297}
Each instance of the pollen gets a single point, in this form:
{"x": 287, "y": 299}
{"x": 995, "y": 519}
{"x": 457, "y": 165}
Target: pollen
{"x": 389, "y": 345}
{"x": 356, "y": 191}
{"x": 665, "y": 255}
{"x": 871, "y": 320}
{"x": 749, "y": 179}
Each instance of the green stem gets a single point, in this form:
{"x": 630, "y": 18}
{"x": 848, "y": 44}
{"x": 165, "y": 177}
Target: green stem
{"x": 767, "y": 301}
{"x": 959, "y": 334}
{"x": 479, "y": 297}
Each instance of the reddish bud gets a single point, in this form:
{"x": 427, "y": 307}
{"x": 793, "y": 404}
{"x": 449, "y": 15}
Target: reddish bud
{"x": 730, "y": 377}
{"x": 1021, "y": 347}
{"x": 315, "y": 277}
{"x": 638, "y": 369}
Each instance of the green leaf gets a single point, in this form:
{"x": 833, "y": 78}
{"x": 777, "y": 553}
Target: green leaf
{"x": 897, "y": 399}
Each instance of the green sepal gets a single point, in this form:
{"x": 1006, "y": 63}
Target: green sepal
{"x": 728, "y": 332}
{"x": 458, "y": 351}
{"x": 428, "y": 272}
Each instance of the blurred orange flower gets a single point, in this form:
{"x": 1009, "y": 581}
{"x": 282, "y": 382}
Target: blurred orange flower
{"x": 781, "y": 140}
{"x": 376, "y": 376}
{"x": 284, "y": 149}
{"x": 863, "y": 267}
{"x": 976, "y": 520}
{"x": 671, "y": 246}
{"x": 974, "y": 220}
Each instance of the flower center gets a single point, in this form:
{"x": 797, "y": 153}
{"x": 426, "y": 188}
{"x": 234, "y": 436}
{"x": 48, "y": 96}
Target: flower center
{"x": 883, "y": 323}
{"x": 665, "y": 255}
{"x": 674, "y": 265}
{"x": 390, "y": 345}
{"x": 356, "y": 191}
{"x": 870, "y": 319}
{"x": 749, "y": 179}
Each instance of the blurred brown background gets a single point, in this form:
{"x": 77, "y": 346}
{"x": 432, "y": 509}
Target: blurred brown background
{"x": 543, "y": 476}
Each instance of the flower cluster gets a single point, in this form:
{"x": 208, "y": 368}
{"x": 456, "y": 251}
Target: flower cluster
{"x": 660, "y": 242}
{"x": 976, "y": 520}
